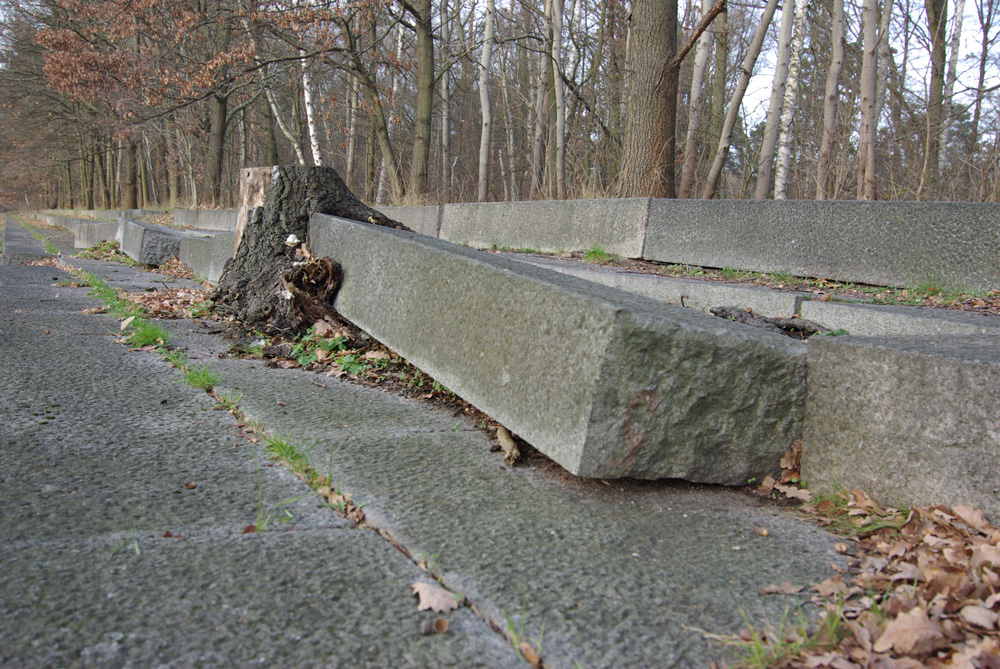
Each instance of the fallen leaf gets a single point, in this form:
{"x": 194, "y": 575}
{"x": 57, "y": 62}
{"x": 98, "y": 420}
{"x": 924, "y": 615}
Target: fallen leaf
{"x": 375, "y": 355}
{"x": 127, "y": 322}
{"x": 793, "y": 492}
{"x": 972, "y": 517}
{"x": 980, "y": 616}
{"x": 766, "y": 486}
{"x": 434, "y": 597}
{"x": 985, "y": 553}
{"x": 249, "y": 529}
{"x": 529, "y": 654}
{"x": 832, "y": 586}
{"x": 287, "y": 364}
{"x": 281, "y": 404}
{"x": 190, "y": 485}
{"x": 322, "y": 328}
{"x": 912, "y": 633}
{"x": 785, "y": 588}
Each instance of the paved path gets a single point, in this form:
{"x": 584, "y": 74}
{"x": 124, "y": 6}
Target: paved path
{"x": 97, "y": 442}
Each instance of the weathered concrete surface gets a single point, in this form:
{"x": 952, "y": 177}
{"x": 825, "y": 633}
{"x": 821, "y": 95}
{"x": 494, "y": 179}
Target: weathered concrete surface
{"x": 206, "y": 219}
{"x": 207, "y": 254}
{"x": 872, "y": 320}
{"x": 607, "y": 573}
{"x": 700, "y": 295}
{"x": 617, "y": 226}
{"x": 149, "y": 244}
{"x": 96, "y": 443}
{"x": 907, "y": 419}
{"x": 606, "y": 383}
{"x": 424, "y": 219}
{"x": 87, "y": 234}
{"x": 881, "y": 243}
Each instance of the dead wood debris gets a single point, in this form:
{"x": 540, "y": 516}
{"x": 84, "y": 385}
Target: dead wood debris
{"x": 793, "y": 327}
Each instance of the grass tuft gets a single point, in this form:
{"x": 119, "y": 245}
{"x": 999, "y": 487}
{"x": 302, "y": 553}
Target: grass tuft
{"x": 597, "y": 255}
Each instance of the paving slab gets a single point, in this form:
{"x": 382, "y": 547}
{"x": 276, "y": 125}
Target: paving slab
{"x": 605, "y": 382}
{"x": 96, "y": 444}
{"x": 909, "y": 420}
{"x": 606, "y": 573}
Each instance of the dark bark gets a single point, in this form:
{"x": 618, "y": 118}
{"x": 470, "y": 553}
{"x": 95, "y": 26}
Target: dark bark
{"x": 793, "y": 327}
{"x": 254, "y": 285}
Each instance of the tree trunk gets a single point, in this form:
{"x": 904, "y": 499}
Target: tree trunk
{"x": 765, "y": 167}
{"x": 252, "y": 289}
{"x": 445, "y": 105}
{"x": 216, "y": 144}
{"x": 484, "y": 103}
{"x": 129, "y": 194}
{"x": 950, "y": 79}
{"x": 866, "y": 131}
{"x": 559, "y": 107}
{"x": 647, "y": 168}
{"x": 726, "y": 136}
{"x": 789, "y": 104}
{"x": 697, "y": 104}
{"x": 831, "y": 96}
{"x": 937, "y": 21}
{"x": 420, "y": 157}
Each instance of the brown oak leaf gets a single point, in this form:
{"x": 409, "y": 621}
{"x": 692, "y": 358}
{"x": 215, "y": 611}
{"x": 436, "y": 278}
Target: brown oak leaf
{"x": 912, "y": 633}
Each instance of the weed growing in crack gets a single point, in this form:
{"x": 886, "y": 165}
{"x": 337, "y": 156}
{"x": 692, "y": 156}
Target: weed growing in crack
{"x": 759, "y": 648}
{"x": 597, "y": 255}
{"x": 283, "y": 449}
{"x": 145, "y": 333}
{"x": 201, "y": 377}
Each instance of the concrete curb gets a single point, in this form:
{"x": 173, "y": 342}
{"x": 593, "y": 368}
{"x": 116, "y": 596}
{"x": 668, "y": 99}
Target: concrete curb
{"x": 910, "y": 420}
{"x": 207, "y": 219}
{"x": 207, "y": 253}
{"x": 150, "y": 244}
{"x": 881, "y": 243}
{"x": 606, "y": 383}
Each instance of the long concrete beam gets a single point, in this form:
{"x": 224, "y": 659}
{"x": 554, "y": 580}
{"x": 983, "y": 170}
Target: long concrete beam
{"x": 606, "y": 383}
{"x": 956, "y": 244}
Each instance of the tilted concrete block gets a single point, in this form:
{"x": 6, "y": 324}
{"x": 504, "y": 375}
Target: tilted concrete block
{"x": 910, "y": 420}
{"x": 91, "y": 233}
{"x": 148, "y": 244}
{"x": 618, "y": 225}
{"x": 606, "y": 383}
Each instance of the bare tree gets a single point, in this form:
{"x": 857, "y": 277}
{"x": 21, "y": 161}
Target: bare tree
{"x": 831, "y": 97}
{"x": 484, "y": 102}
{"x": 789, "y": 106}
{"x": 778, "y": 83}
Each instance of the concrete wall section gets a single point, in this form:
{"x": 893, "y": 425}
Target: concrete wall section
{"x": 206, "y": 255}
{"x": 606, "y": 383}
{"x": 910, "y": 420}
{"x": 426, "y": 220}
{"x": 617, "y": 226}
{"x": 148, "y": 244}
{"x": 206, "y": 219}
{"x": 91, "y": 233}
{"x": 882, "y": 243}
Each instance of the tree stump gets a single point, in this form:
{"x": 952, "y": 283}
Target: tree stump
{"x": 261, "y": 287}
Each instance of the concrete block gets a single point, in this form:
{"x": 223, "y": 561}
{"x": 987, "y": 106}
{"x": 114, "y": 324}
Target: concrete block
{"x": 426, "y": 219}
{"x": 206, "y": 254}
{"x": 910, "y": 420}
{"x": 871, "y": 320}
{"x": 700, "y": 295}
{"x": 606, "y": 383}
{"x": 881, "y": 243}
{"x": 206, "y": 219}
{"x": 148, "y": 244}
{"x": 618, "y": 226}
{"x": 91, "y": 233}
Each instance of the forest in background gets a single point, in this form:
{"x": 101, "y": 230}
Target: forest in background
{"x": 159, "y": 103}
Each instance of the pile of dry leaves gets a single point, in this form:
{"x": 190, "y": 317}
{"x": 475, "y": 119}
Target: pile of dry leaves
{"x": 174, "y": 302}
{"x": 923, "y": 588}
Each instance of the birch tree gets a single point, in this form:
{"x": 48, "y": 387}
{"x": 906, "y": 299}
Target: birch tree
{"x": 789, "y": 106}
{"x": 484, "y": 102}
{"x": 778, "y": 83}
{"x": 310, "y": 107}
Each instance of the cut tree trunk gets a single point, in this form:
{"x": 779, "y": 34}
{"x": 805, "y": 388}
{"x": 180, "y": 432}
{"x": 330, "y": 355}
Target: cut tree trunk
{"x": 259, "y": 287}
